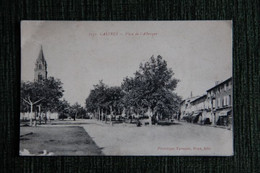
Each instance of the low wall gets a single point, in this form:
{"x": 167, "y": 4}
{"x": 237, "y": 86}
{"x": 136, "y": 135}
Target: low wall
{"x": 27, "y": 115}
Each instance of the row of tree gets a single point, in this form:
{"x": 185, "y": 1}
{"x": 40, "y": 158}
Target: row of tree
{"x": 151, "y": 89}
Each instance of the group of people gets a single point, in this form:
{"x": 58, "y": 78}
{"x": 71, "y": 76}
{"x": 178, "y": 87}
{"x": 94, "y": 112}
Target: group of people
{"x": 40, "y": 117}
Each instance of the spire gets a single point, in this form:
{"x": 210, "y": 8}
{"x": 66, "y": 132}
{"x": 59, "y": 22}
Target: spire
{"x": 41, "y": 57}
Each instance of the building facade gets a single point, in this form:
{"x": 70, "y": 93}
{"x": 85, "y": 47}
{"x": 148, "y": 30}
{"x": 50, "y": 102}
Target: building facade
{"x": 199, "y": 111}
{"x": 214, "y": 108}
{"x": 220, "y": 98}
{"x": 187, "y": 109}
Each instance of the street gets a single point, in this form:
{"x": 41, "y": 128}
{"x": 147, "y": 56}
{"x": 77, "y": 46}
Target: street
{"x": 179, "y": 139}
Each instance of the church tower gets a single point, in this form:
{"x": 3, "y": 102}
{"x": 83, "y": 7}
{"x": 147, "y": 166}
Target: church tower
{"x": 40, "y": 70}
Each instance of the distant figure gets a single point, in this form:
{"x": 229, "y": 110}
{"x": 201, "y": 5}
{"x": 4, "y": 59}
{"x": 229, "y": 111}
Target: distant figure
{"x": 157, "y": 119}
{"x": 34, "y": 119}
{"x": 40, "y": 118}
{"x": 48, "y": 116}
{"x": 139, "y": 124}
{"x": 45, "y": 118}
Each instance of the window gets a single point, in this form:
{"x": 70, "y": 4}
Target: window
{"x": 40, "y": 66}
{"x": 230, "y": 85}
{"x": 227, "y": 101}
{"x": 229, "y": 98}
{"x": 39, "y": 77}
{"x": 214, "y": 103}
{"x": 219, "y": 102}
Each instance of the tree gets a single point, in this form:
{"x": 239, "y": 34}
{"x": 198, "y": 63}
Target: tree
{"x": 114, "y": 97}
{"x": 96, "y": 101}
{"x": 78, "y": 111}
{"x": 30, "y": 95}
{"x": 53, "y": 92}
{"x": 91, "y": 102}
{"x": 103, "y": 100}
{"x": 152, "y": 88}
{"x": 45, "y": 94}
{"x": 64, "y": 109}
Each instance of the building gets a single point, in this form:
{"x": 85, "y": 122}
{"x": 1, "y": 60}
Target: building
{"x": 214, "y": 108}
{"x": 199, "y": 109}
{"x": 40, "y": 70}
{"x": 186, "y": 109}
{"x": 220, "y": 99}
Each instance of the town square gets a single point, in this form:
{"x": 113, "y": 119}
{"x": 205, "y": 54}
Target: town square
{"x": 89, "y": 88}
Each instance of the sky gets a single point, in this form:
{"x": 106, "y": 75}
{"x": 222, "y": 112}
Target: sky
{"x": 80, "y": 53}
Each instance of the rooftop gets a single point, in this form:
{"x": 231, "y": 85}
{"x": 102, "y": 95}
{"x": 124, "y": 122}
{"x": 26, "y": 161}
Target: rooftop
{"x": 227, "y": 80}
{"x": 191, "y": 99}
{"x": 201, "y": 97}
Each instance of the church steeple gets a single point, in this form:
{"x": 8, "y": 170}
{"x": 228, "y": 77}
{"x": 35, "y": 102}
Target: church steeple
{"x": 40, "y": 70}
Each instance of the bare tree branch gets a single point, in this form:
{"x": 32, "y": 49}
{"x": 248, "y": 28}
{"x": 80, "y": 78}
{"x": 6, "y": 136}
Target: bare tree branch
{"x": 38, "y": 101}
{"x": 27, "y": 101}
{"x": 30, "y": 102}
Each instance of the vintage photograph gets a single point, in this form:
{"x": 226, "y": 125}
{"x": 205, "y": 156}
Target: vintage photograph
{"x": 126, "y": 88}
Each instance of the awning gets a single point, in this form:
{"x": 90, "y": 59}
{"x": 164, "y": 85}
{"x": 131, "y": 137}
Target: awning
{"x": 207, "y": 115}
{"x": 196, "y": 114}
{"x": 224, "y": 112}
{"x": 185, "y": 115}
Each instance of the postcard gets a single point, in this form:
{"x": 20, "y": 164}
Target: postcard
{"x": 126, "y": 88}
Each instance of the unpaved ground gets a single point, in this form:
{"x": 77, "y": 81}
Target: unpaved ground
{"x": 59, "y": 140}
{"x": 182, "y": 139}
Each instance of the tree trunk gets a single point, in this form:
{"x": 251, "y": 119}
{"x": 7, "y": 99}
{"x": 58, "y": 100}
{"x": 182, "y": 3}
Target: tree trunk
{"x": 35, "y": 121}
{"x": 75, "y": 116}
{"x": 40, "y": 118}
{"x": 111, "y": 112}
{"x": 31, "y": 114}
{"x": 150, "y": 115}
{"x": 102, "y": 115}
{"x": 151, "y": 118}
{"x": 95, "y": 113}
{"x": 106, "y": 116}
{"x": 98, "y": 113}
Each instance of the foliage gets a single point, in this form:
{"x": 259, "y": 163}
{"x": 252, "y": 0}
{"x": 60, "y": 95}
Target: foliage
{"x": 105, "y": 98}
{"x": 114, "y": 97}
{"x": 152, "y": 86}
{"x": 64, "y": 109}
{"x": 78, "y": 111}
{"x": 97, "y": 97}
{"x": 46, "y": 93}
